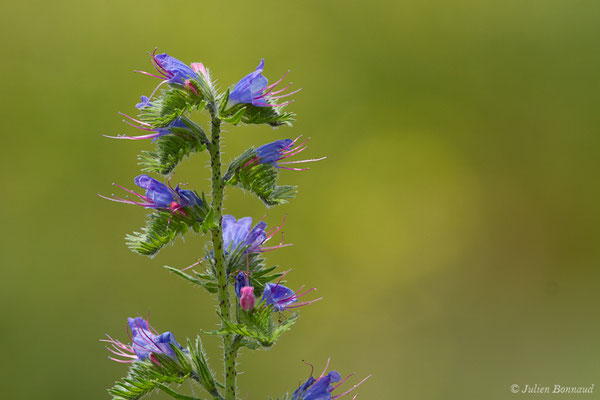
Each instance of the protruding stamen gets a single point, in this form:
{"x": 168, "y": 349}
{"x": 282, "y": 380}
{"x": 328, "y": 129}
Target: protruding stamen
{"x": 295, "y": 169}
{"x": 277, "y": 83}
{"x": 303, "y": 161}
{"x": 193, "y": 265}
{"x": 342, "y": 381}
{"x": 325, "y": 369}
{"x": 304, "y": 303}
{"x": 312, "y": 367}
{"x": 151, "y": 136}
{"x": 149, "y": 74}
{"x": 351, "y": 389}
{"x": 284, "y": 95}
{"x": 136, "y": 120}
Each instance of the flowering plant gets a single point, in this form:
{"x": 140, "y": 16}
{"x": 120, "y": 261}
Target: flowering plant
{"x": 255, "y": 308}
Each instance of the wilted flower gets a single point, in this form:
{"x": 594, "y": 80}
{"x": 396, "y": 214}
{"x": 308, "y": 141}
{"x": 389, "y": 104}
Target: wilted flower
{"x": 282, "y": 298}
{"x": 146, "y": 342}
{"x": 159, "y": 195}
{"x": 322, "y": 387}
{"x": 272, "y": 153}
{"x": 237, "y": 235}
{"x": 254, "y": 89}
{"x": 156, "y": 132}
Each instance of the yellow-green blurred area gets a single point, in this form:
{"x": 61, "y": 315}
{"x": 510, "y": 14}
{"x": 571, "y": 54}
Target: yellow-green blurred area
{"x": 453, "y": 230}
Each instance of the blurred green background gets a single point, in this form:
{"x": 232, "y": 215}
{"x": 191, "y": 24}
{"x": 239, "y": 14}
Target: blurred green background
{"x": 453, "y": 230}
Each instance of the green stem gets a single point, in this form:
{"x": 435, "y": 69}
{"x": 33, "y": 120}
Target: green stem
{"x": 220, "y": 267}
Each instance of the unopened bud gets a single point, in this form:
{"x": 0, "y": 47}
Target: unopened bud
{"x": 247, "y": 298}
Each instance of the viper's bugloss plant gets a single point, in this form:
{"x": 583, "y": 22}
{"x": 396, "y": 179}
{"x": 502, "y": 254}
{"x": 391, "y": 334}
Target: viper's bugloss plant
{"x": 234, "y": 267}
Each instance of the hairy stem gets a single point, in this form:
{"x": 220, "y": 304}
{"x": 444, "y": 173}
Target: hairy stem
{"x": 217, "y": 240}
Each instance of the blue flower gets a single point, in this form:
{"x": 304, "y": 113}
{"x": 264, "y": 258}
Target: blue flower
{"x": 145, "y": 343}
{"x": 321, "y": 388}
{"x": 317, "y": 389}
{"x": 144, "y": 102}
{"x": 162, "y": 196}
{"x": 173, "y": 70}
{"x": 278, "y": 296}
{"x": 272, "y": 152}
{"x": 254, "y": 89}
{"x": 282, "y": 298}
{"x": 158, "y": 195}
{"x": 237, "y": 234}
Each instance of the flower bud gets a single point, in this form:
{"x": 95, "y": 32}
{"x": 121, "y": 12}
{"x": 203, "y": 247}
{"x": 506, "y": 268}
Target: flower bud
{"x": 247, "y": 298}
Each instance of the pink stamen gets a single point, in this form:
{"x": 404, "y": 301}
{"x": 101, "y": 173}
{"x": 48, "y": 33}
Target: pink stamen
{"x": 276, "y": 229}
{"x": 160, "y": 67}
{"x": 135, "y": 120}
{"x": 151, "y": 136}
{"x": 274, "y": 105}
{"x": 303, "y": 161}
{"x": 325, "y": 369}
{"x": 149, "y": 74}
{"x": 342, "y": 381}
{"x": 284, "y": 95}
{"x": 291, "y": 153}
{"x": 282, "y": 90}
{"x": 134, "y": 193}
{"x": 155, "y": 89}
{"x": 119, "y": 353}
{"x": 277, "y": 83}
{"x": 146, "y": 337}
{"x": 121, "y": 361}
{"x": 156, "y": 64}
{"x": 351, "y": 389}
{"x": 295, "y": 169}
{"x": 267, "y": 249}
{"x": 193, "y": 265}
{"x": 120, "y": 200}
{"x": 298, "y": 147}
{"x": 305, "y": 303}
{"x": 279, "y": 281}
{"x": 135, "y": 126}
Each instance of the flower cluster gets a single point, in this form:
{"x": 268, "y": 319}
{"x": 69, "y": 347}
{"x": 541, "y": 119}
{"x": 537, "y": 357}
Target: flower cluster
{"x": 159, "y": 196}
{"x": 145, "y": 342}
